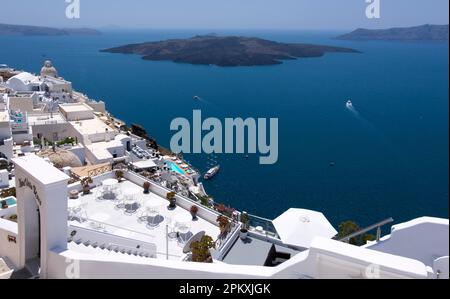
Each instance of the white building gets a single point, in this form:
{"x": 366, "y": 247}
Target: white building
{"x": 76, "y": 111}
{"x": 6, "y": 140}
{"x": 118, "y": 231}
{"x": 25, "y": 82}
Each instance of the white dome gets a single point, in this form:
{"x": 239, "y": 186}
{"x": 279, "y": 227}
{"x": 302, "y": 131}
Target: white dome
{"x": 48, "y": 70}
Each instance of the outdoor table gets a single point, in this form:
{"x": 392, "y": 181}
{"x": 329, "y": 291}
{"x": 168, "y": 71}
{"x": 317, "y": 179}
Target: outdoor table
{"x": 73, "y": 204}
{"x": 109, "y": 184}
{"x": 152, "y": 210}
{"x": 182, "y": 219}
{"x": 129, "y": 198}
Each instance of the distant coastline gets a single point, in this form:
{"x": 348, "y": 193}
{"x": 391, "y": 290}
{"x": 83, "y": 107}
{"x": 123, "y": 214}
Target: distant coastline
{"x": 226, "y": 51}
{"x": 26, "y": 30}
{"x": 419, "y": 33}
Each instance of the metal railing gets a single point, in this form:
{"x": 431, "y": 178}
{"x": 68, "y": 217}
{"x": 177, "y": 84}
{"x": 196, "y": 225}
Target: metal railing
{"x": 376, "y": 226}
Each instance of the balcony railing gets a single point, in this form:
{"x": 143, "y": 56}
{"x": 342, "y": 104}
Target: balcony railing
{"x": 376, "y": 226}
{"x": 262, "y": 225}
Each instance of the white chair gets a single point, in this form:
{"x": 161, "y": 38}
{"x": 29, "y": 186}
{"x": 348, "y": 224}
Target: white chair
{"x": 152, "y": 213}
{"x": 183, "y": 230}
{"x": 171, "y": 225}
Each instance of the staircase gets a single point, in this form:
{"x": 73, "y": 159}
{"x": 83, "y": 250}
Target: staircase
{"x": 93, "y": 248}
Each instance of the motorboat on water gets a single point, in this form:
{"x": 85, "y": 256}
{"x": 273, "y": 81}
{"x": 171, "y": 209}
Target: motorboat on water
{"x": 196, "y": 98}
{"x": 349, "y": 104}
{"x": 212, "y": 172}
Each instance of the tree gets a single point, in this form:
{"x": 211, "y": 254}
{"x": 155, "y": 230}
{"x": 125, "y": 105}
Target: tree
{"x": 349, "y": 227}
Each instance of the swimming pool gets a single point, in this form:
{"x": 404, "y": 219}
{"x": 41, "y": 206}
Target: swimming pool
{"x": 10, "y": 201}
{"x": 175, "y": 167}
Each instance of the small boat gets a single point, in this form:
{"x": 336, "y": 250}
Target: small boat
{"x": 196, "y": 98}
{"x": 212, "y": 172}
{"x": 349, "y": 104}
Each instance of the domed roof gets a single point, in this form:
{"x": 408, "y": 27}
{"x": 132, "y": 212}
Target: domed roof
{"x": 49, "y": 70}
{"x": 61, "y": 158}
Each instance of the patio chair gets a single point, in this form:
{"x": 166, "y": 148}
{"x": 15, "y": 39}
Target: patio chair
{"x": 172, "y": 233}
{"x": 152, "y": 216}
{"x": 184, "y": 233}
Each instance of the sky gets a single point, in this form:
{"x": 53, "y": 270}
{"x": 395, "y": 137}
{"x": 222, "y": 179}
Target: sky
{"x": 226, "y": 14}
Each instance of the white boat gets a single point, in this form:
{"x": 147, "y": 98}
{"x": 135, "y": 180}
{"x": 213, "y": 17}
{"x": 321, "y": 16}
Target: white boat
{"x": 349, "y": 104}
{"x": 212, "y": 172}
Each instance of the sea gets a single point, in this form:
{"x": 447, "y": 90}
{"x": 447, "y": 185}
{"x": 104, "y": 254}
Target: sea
{"x": 386, "y": 157}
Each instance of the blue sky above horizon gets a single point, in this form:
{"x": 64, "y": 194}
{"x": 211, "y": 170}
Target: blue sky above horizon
{"x": 226, "y": 14}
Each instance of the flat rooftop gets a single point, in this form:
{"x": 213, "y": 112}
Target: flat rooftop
{"x": 118, "y": 223}
{"x": 76, "y": 107}
{"x": 37, "y": 166}
{"x": 100, "y": 149}
{"x": 256, "y": 252}
{"x": 252, "y": 251}
{"x": 45, "y": 119}
{"x": 90, "y": 126}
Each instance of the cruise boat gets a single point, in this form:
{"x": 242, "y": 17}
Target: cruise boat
{"x": 212, "y": 172}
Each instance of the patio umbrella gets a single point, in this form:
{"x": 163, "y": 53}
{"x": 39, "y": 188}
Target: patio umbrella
{"x": 299, "y": 227}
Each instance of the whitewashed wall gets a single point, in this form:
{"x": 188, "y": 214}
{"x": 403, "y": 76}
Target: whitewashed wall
{"x": 9, "y": 249}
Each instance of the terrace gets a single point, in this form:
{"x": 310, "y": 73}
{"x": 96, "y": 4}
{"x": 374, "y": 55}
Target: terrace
{"x": 122, "y": 214}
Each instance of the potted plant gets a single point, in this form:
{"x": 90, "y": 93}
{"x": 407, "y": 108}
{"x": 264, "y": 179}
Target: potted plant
{"x": 119, "y": 175}
{"x": 243, "y": 233}
{"x": 172, "y": 199}
{"x": 221, "y": 208}
{"x": 201, "y": 250}
{"x": 146, "y": 187}
{"x": 85, "y": 182}
{"x": 194, "y": 211}
{"x": 223, "y": 224}
{"x": 244, "y": 220}
{"x": 13, "y": 218}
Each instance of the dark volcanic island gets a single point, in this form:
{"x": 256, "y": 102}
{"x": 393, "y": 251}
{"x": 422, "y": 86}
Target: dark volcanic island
{"x": 225, "y": 51}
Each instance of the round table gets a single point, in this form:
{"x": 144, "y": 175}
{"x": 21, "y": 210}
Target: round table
{"x": 152, "y": 210}
{"x": 152, "y": 205}
{"x": 73, "y": 204}
{"x": 109, "y": 184}
{"x": 130, "y": 193}
{"x": 182, "y": 218}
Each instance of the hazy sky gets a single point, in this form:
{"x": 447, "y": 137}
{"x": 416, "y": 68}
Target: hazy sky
{"x": 233, "y": 14}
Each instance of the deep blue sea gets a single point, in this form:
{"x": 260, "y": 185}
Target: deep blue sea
{"x": 391, "y": 159}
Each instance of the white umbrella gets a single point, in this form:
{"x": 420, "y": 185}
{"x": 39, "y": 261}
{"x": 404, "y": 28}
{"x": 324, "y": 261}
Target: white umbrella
{"x": 299, "y": 227}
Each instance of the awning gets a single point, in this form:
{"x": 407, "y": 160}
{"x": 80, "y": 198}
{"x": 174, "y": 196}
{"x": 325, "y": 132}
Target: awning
{"x": 299, "y": 227}
{"x": 145, "y": 164}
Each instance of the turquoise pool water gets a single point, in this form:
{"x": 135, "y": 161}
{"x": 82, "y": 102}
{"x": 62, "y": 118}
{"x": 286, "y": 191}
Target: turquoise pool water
{"x": 175, "y": 167}
{"x": 10, "y": 201}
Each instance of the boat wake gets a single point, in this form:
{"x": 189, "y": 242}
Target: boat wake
{"x": 352, "y": 109}
{"x": 367, "y": 124}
